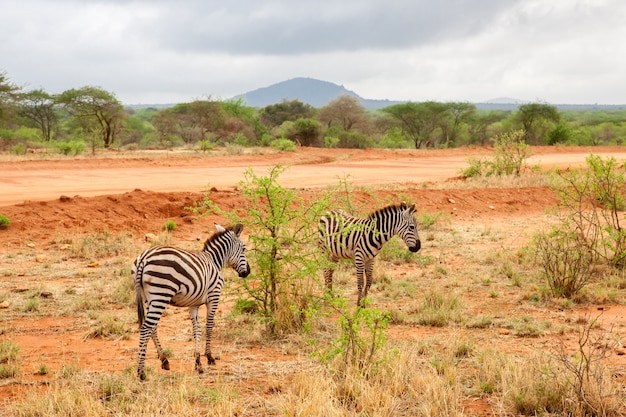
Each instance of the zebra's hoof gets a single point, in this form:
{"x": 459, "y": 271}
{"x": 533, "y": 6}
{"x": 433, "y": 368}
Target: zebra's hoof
{"x": 210, "y": 359}
{"x": 165, "y": 364}
{"x": 141, "y": 375}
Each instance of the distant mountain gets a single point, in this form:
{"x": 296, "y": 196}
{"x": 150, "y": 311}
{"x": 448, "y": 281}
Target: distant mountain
{"x": 314, "y": 92}
{"x": 319, "y": 93}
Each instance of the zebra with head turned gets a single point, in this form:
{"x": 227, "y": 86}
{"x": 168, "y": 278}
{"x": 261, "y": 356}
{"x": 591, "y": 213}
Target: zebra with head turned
{"x": 167, "y": 275}
{"x": 361, "y": 239}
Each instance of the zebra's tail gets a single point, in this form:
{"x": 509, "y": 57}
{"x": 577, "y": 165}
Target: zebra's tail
{"x": 137, "y": 273}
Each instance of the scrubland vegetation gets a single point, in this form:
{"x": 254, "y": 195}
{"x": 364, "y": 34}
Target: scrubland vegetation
{"x": 454, "y": 330}
{"x": 82, "y": 120}
{"x": 490, "y": 320}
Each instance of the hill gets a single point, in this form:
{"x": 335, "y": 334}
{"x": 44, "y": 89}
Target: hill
{"x": 314, "y": 92}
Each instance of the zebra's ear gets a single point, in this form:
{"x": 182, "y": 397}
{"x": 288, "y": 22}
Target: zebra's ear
{"x": 219, "y": 228}
{"x": 238, "y": 228}
{"x": 412, "y": 208}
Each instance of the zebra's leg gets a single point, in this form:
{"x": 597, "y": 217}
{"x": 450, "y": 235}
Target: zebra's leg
{"x": 359, "y": 281}
{"x": 165, "y": 364}
{"x": 328, "y": 274}
{"x": 369, "y": 275}
{"x": 197, "y": 335}
{"x": 211, "y": 307}
{"x": 147, "y": 331}
{"x": 328, "y": 279}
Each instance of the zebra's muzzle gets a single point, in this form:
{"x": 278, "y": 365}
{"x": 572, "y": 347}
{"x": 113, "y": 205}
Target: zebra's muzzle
{"x": 245, "y": 273}
{"x": 417, "y": 247}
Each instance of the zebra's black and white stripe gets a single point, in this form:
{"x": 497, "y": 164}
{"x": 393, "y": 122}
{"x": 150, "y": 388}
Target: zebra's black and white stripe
{"x": 171, "y": 276}
{"x": 361, "y": 239}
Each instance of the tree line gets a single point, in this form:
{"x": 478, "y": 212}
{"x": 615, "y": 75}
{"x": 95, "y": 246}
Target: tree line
{"x": 92, "y": 116}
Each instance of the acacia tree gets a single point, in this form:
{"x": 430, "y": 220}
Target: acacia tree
{"x": 418, "y": 121}
{"x": 531, "y": 116}
{"x": 276, "y": 114}
{"x": 457, "y": 114}
{"x": 344, "y": 112}
{"x": 39, "y": 106}
{"x": 191, "y": 122}
{"x": 97, "y": 112}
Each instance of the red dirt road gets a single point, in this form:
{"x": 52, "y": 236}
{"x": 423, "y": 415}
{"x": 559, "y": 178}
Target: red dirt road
{"x": 40, "y": 180}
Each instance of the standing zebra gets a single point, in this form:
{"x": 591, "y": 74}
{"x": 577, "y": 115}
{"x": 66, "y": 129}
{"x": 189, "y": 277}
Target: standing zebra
{"x": 166, "y": 275}
{"x": 346, "y": 237}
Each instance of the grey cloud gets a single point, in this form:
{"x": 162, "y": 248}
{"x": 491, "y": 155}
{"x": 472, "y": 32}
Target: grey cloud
{"x": 281, "y": 27}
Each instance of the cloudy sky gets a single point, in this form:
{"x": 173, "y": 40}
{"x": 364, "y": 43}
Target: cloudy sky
{"x": 166, "y": 51}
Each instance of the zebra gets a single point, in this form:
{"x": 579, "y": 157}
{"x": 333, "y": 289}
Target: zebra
{"x": 168, "y": 275}
{"x": 343, "y": 236}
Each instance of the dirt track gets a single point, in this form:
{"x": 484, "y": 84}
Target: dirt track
{"x": 308, "y": 168}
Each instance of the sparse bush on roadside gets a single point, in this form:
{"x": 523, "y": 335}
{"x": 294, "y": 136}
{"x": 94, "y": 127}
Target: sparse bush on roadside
{"x": 4, "y": 221}
{"x": 205, "y": 145}
{"x": 566, "y": 264}
{"x": 73, "y": 147}
{"x": 19, "y": 149}
{"x": 286, "y": 145}
{"x": 510, "y": 152}
{"x": 591, "y": 205}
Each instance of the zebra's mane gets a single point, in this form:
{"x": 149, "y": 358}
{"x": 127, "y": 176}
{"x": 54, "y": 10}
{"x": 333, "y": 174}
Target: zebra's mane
{"x": 390, "y": 208}
{"x": 215, "y": 236}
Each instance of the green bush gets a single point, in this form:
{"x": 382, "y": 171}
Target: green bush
{"x": 169, "y": 225}
{"x": 510, "y": 151}
{"x": 73, "y": 147}
{"x": 591, "y": 204}
{"x": 19, "y": 149}
{"x": 4, "y": 221}
{"x": 565, "y": 262}
{"x": 283, "y": 145}
{"x": 283, "y": 233}
{"x": 205, "y": 145}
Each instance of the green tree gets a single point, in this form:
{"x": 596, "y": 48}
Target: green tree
{"x": 345, "y": 112}
{"x": 456, "y": 114}
{"x": 283, "y": 234}
{"x": 276, "y": 114}
{"x": 191, "y": 122}
{"x": 307, "y": 132}
{"x": 39, "y": 107}
{"x": 481, "y": 125}
{"x": 8, "y": 97}
{"x": 419, "y": 121}
{"x": 533, "y": 118}
{"x": 96, "y": 111}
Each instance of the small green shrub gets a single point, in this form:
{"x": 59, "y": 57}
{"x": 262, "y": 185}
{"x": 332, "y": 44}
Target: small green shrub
{"x": 8, "y": 359}
{"x": 283, "y": 145}
{"x": 4, "y": 221}
{"x": 19, "y": 149}
{"x": 73, "y": 147}
{"x": 565, "y": 262}
{"x": 205, "y": 145}
{"x": 169, "y": 225}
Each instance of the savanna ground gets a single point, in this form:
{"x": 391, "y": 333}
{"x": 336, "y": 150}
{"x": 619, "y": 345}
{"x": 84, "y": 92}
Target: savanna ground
{"x": 67, "y": 300}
